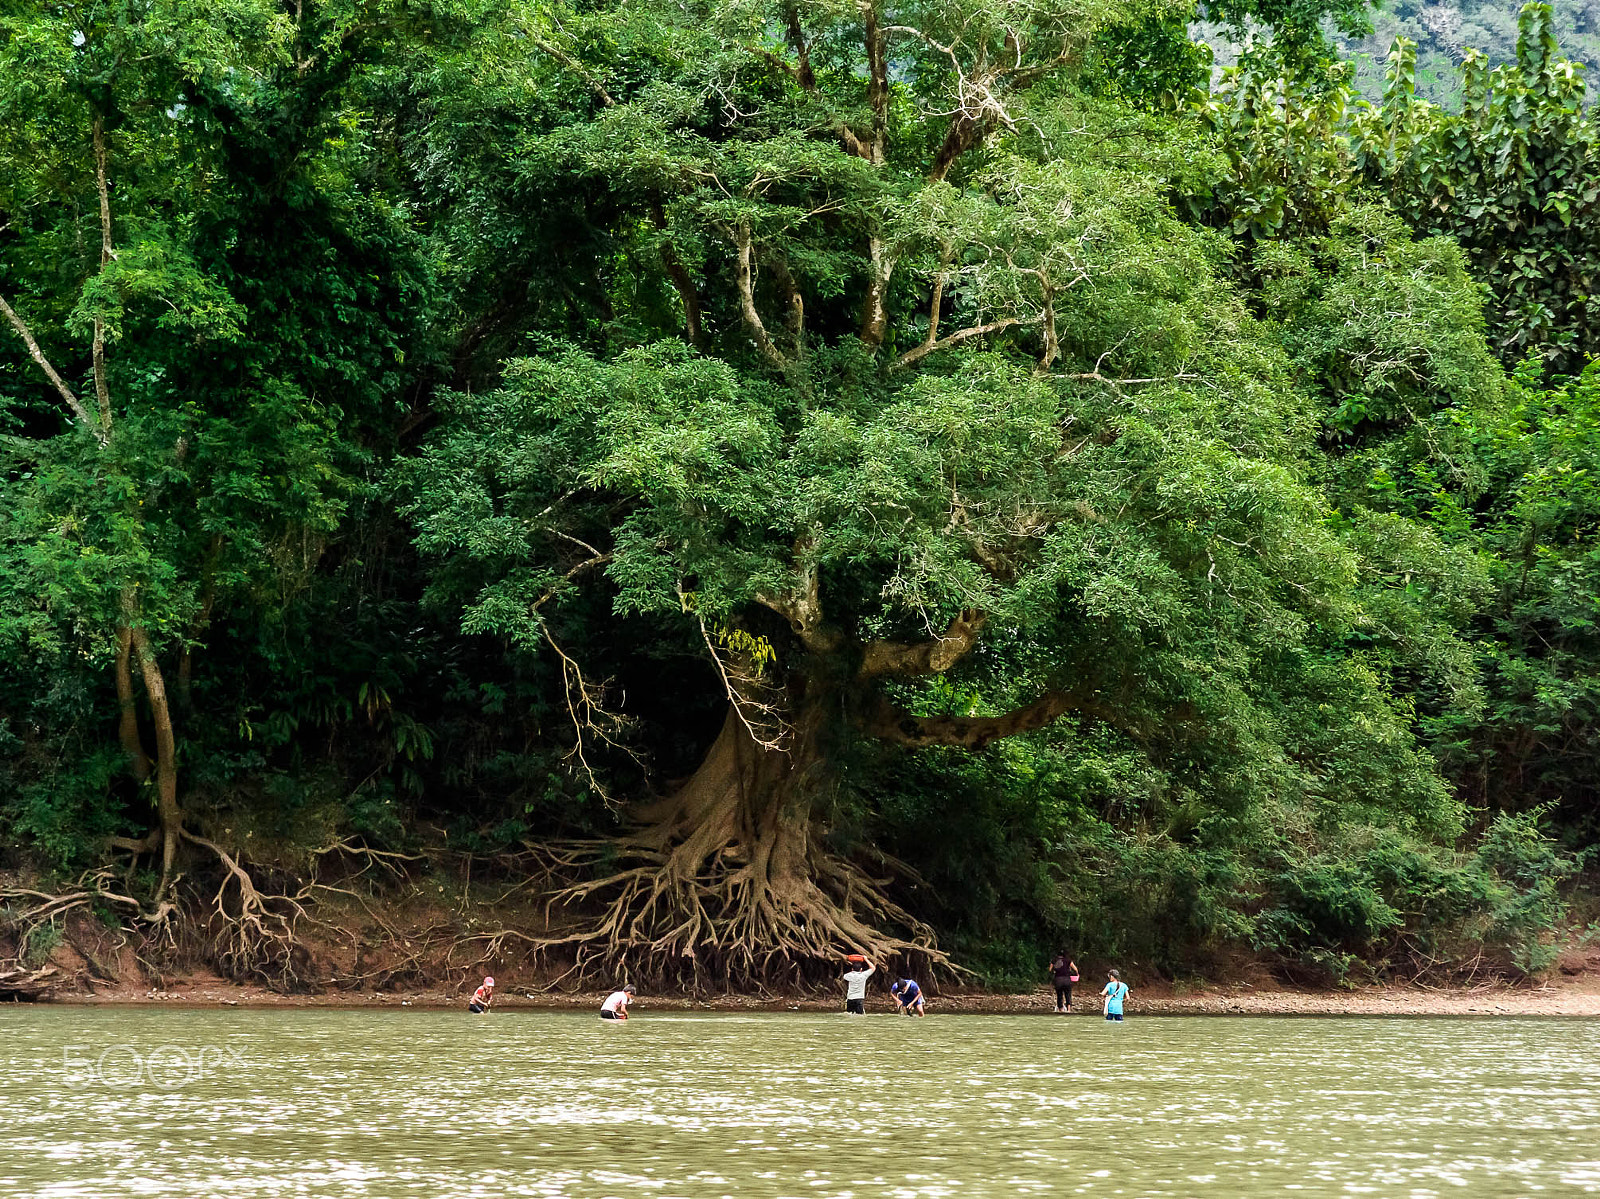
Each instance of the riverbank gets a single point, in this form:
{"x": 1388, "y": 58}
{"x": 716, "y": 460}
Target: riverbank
{"x": 421, "y": 951}
{"x": 1562, "y": 995}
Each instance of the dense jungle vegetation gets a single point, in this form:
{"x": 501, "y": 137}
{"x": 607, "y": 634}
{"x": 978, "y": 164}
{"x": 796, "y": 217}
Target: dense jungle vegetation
{"x": 759, "y": 479}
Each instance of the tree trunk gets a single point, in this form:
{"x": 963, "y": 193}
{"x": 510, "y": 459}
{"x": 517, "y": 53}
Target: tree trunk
{"x": 726, "y": 879}
{"x": 128, "y": 717}
{"x": 170, "y": 816}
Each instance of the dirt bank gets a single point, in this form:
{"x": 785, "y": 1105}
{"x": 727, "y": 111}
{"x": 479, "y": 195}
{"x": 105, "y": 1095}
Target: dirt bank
{"x": 420, "y": 948}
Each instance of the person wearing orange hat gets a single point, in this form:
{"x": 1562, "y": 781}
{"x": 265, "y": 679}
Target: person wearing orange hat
{"x": 482, "y": 997}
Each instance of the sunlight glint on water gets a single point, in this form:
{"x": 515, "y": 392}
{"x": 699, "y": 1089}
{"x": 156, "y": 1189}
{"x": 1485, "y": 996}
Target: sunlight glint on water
{"x": 275, "y": 1104}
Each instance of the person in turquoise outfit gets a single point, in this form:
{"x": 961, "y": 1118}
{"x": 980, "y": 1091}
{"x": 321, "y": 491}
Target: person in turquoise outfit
{"x": 1114, "y": 993}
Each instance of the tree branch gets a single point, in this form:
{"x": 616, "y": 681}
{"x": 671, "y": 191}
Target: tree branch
{"x": 802, "y": 50}
{"x": 894, "y": 724}
{"x": 784, "y": 65}
{"x": 683, "y": 282}
{"x": 802, "y": 608}
{"x": 875, "y": 307}
{"x": 1052, "y": 341}
{"x": 589, "y": 716}
{"x": 1116, "y": 384}
{"x": 917, "y": 353}
{"x": 773, "y": 731}
{"x": 803, "y": 75}
{"x": 796, "y": 316}
{"x": 551, "y": 592}
{"x": 107, "y": 253}
{"x": 747, "y": 297}
{"x": 924, "y": 657}
{"x": 964, "y": 134}
{"x": 128, "y": 718}
{"x": 34, "y": 352}
{"x": 166, "y": 758}
{"x": 578, "y": 69}
{"x": 877, "y": 83}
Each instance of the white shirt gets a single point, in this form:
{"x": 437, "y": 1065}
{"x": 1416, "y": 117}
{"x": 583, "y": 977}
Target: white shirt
{"x": 856, "y": 983}
{"x": 617, "y": 999}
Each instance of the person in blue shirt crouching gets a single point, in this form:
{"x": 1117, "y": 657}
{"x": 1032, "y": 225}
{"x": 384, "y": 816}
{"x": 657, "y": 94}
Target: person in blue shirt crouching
{"x": 908, "y": 997}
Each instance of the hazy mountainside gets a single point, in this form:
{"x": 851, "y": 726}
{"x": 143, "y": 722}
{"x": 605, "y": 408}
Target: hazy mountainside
{"x": 1445, "y": 32}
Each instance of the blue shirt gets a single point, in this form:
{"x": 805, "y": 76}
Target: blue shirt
{"x": 1115, "y": 993}
{"x": 907, "y": 990}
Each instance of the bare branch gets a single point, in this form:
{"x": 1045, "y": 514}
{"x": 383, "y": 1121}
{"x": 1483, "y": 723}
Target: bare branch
{"x": 924, "y": 657}
{"x": 917, "y": 353}
{"x": 744, "y": 691}
{"x": 589, "y": 717}
{"x": 1116, "y": 384}
{"x": 34, "y": 352}
{"x": 747, "y": 297}
{"x": 107, "y": 253}
{"x": 578, "y": 69}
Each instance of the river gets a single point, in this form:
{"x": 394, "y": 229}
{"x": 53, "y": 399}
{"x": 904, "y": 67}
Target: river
{"x": 238, "y": 1103}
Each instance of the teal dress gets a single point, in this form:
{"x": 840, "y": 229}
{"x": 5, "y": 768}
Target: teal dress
{"x": 1115, "y": 993}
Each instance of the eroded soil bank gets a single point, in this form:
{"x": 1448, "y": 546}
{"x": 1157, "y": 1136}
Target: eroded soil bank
{"x": 422, "y": 948}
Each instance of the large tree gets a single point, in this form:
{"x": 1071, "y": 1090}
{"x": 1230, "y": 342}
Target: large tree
{"x": 904, "y": 391}
{"x": 202, "y": 305}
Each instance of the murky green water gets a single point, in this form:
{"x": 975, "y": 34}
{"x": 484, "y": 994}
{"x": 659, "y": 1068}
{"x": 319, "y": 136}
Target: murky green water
{"x": 242, "y": 1103}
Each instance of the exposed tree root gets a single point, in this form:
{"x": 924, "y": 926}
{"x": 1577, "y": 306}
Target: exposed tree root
{"x": 254, "y": 935}
{"x": 26, "y": 913}
{"x": 724, "y": 884}
{"x": 18, "y": 982}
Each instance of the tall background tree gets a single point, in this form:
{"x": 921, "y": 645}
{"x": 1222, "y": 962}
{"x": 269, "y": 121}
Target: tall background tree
{"x": 961, "y": 433}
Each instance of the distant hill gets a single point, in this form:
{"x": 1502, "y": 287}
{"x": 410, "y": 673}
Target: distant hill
{"x": 1444, "y": 32}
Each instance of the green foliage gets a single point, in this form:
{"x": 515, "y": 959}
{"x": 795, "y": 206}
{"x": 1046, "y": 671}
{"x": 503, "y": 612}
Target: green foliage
{"x": 1329, "y": 894}
{"x": 1513, "y": 176}
{"x": 40, "y": 942}
{"x": 1534, "y": 513}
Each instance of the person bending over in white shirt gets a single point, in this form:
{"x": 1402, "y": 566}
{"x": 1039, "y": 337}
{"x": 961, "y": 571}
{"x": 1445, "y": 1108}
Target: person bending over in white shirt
{"x": 855, "y": 988}
{"x": 616, "y": 1005}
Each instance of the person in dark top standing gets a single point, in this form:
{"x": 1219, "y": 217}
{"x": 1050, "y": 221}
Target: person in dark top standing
{"x": 1063, "y": 972}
